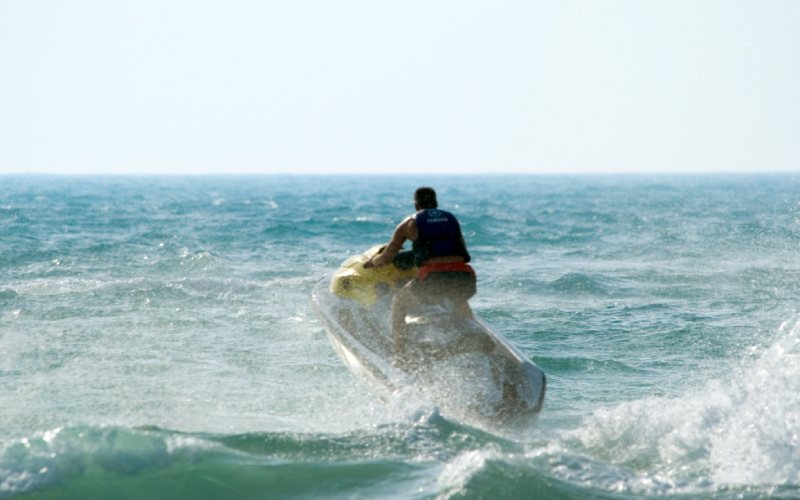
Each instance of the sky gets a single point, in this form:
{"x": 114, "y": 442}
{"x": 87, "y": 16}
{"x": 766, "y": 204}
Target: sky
{"x": 371, "y": 86}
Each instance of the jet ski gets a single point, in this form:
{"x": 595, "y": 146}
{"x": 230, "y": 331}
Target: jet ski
{"x": 465, "y": 368}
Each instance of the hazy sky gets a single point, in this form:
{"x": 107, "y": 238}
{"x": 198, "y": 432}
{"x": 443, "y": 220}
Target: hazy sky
{"x": 305, "y": 86}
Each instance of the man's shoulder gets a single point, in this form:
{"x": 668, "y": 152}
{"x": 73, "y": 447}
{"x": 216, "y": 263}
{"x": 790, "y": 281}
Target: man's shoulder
{"x": 408, "y": 223}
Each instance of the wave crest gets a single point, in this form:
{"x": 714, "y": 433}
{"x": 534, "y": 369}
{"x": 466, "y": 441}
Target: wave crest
{"x": 742, "y": 431}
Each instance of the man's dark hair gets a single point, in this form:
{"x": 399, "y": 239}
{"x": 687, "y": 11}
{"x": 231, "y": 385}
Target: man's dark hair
{"x": 425, "y": 197}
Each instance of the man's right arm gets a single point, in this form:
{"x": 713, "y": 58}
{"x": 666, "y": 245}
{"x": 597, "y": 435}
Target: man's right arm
{"x": 404, "y": 231}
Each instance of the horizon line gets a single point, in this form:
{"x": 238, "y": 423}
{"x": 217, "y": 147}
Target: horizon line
{"x": 405, "y": 174}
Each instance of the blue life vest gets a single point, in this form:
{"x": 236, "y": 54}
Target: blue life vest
{"x": 439, "y": 235}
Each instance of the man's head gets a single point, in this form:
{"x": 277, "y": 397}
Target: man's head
{"x": 425, "y": 197}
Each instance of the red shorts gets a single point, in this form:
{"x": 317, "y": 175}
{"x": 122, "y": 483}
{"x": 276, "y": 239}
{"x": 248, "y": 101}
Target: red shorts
{"x": 444, "y": 267}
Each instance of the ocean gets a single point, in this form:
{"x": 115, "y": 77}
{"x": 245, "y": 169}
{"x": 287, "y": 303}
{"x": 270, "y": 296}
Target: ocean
{"x": 157, "y": 338}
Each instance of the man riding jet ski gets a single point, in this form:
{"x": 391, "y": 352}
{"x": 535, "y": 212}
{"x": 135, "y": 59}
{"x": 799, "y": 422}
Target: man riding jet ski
{"x": 442, "y": 261}
{"x": 403, "y": 319}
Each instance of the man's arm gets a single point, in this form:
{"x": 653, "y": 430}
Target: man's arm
{"x": 406, "y": 230}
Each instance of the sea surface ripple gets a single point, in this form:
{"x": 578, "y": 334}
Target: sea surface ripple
{"x": 157, "y": 341}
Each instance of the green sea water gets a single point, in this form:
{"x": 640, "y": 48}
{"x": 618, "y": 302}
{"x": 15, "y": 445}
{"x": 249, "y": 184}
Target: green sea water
{"x": 157, "y": 339}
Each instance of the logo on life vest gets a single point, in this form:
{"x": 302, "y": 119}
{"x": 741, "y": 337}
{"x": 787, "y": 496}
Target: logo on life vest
{"x": 436, "y": 216}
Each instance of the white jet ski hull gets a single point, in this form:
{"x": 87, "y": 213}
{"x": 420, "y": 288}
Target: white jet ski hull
{"x": 471, "y": 372}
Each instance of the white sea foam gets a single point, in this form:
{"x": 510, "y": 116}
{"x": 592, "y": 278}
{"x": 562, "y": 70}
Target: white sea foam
{"x": 743, "y": 430}
{"x": 457, "y": 472}
{"x": 759, "y": 441}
